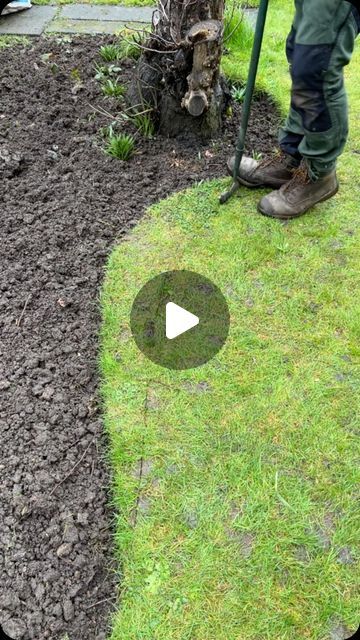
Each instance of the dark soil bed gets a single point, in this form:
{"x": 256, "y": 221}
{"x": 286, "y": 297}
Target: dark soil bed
{"x": 63, "y": 204}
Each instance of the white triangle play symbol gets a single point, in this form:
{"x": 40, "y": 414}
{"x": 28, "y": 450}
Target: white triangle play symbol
{"x": 178, "y": 320}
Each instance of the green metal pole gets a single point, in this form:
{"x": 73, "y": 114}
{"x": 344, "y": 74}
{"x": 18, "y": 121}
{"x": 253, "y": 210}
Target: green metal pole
{"x": 249, "y": 92}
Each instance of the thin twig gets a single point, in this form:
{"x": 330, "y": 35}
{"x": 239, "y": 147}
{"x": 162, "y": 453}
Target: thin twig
{"x": 147, "y": 33}
{"x": 234, "y": 30}
{"x": 72, "y": 470}
{"x": 142, "y": 46}
{"x": 102, "y": 111}
{"x": 18, "y": 321}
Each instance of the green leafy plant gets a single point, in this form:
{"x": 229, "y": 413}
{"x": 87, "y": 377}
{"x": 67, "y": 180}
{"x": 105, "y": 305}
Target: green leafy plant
{"x": 120, "y": 145}
{"x": 75, "y": 75}
{"x": 113, "y": 88}
{"x": 130, "y": 46}
{"x": 104, "y": 71}
{"x": 257, "y": 155}
{"x": 108, "y": 130}
{"x": 109, "y": 52}
{"x": 129, "y": 50}
{"x": 54, "y": 68}
{"x": 238, "y": 93}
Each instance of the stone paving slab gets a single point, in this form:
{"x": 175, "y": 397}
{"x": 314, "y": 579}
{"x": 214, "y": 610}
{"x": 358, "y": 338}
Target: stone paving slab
{"x": 251, "y": 16}
{"x": 28, "y": 23}
{"x": 81, "y": 18}
{"x": 107, "y": 13}
{"x": 91, "y": 27}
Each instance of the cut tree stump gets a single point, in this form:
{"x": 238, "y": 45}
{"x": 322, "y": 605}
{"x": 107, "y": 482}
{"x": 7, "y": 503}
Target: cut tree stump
{"x": 178, "y": 74}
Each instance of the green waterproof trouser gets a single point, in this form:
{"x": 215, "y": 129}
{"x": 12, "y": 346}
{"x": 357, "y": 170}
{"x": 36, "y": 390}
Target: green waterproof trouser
{"x": 318, "y": 48}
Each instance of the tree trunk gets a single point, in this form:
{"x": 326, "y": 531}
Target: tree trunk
{"x": 178, "y": 72}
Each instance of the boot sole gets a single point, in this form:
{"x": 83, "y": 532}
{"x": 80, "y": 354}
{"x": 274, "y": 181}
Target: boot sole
{"x": 297, "y": 215}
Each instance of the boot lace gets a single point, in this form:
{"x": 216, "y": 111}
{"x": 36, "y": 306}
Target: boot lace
{"x": 300, "y": 178}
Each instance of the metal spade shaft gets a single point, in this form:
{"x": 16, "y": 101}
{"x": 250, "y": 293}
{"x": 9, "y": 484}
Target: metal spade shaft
{"x": 249, "y": 92}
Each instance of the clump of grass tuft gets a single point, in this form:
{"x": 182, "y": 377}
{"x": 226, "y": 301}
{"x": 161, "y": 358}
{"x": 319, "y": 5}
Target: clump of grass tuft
{"x": 144, "y": 124}
{"x": 120, "y": 145}
{"x": 109, "y": 52}
{"x": 113, "y": 88}
{"x": 129, "y": 50}
{"x": 130, "y": 46}
{"x": 238, "y": 93}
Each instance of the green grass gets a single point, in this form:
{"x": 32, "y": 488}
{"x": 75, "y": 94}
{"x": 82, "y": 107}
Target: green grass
{"x": 249, "y": 473}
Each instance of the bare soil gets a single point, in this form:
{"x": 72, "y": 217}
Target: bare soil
{"x": 63, "y": 205}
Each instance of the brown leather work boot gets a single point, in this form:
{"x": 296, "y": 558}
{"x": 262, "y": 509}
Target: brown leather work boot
{"x": 273, "y": 172}
{"x": 299, "y": 195}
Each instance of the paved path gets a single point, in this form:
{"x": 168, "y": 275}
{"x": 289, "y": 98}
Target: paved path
{"x": 78, "y": 18}
{"x": 251, "y": 15}
{"x": 74, "y": 18}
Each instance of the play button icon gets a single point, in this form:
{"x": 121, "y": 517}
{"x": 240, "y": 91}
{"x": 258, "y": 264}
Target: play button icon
{"x": 180, "y": 319}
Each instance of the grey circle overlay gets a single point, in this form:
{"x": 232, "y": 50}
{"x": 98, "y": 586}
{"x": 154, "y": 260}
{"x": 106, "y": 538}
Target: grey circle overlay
{"x": 193, "y": 292}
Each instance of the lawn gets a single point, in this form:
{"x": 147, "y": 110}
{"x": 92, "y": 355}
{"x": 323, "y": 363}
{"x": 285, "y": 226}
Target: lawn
{"x": 235, "y": 484}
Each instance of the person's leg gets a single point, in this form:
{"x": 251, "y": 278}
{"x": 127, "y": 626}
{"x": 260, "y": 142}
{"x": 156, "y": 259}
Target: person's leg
{"x": 292, "y": 132}
{"x": 322, "y": 46}
{"x": 277, "y": 170}
{"x": 323, "y": 42}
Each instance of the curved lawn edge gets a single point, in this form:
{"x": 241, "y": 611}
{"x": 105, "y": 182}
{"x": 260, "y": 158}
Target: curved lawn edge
{"x": 234, "y": 484}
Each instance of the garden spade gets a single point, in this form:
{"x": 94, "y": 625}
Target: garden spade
{"x": 249, "y": 92}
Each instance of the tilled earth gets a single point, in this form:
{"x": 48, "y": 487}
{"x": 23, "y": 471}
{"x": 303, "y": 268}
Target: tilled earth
{"x": 63, "y": 204}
